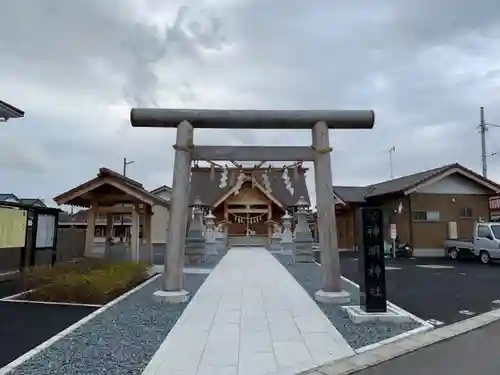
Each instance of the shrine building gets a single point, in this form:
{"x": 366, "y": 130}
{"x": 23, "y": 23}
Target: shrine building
{"x": 248, "y": 200}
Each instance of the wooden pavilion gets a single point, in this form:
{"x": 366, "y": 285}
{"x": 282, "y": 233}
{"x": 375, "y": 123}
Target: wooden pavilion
{"x": 112, "y": 193}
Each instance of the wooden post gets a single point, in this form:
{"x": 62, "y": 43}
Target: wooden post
{"x": 89, "y": 235}
{"x": 134, "y": 235}
{"x": 174, "y": 260}
{"x": 24, "y": 249}
{"x": 328, "y": 243}
{"x": 34, "y": 232}
{"x": 109, "y": 234}
{"x": 55, "y": 239}
{"x": 147, "y": 234}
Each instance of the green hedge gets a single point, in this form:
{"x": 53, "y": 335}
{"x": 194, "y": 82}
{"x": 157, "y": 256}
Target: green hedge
{"x": 91, "y": 282}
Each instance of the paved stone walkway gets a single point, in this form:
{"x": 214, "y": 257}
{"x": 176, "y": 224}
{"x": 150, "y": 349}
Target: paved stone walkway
{"x": 250, "y": 317}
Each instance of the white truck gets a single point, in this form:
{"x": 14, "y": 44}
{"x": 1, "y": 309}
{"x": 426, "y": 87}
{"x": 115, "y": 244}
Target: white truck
{"x": 485, "y": 244}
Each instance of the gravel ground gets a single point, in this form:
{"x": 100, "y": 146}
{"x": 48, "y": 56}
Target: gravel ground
{"x": 120, "y": 341}
{"x": 357, "y": 335}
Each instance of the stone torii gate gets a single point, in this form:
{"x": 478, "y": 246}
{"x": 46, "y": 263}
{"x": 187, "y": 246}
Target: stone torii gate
{"x": 320, "y": 121}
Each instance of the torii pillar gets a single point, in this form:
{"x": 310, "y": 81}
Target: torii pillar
{"x": 319, "y": 121}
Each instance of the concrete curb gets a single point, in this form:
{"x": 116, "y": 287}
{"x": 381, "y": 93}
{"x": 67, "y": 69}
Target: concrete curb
{"x": 13, "y": 299}
{"x": 409, "y": 344}
{"x": 18, "y": 361}
{"x": 426, "y": 326}
{"x": 51, "y": 303}
{"x": 8, "y": 275}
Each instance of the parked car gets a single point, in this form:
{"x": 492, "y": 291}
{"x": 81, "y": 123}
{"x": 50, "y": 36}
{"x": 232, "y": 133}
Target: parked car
{"x": 485, "y": 244}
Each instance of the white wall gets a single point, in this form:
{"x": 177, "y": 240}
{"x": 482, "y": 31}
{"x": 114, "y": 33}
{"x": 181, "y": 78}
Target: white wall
{"x": 454, "y": 184}
{"x": 164, "y": 194}
{"x": 159, "y": 222}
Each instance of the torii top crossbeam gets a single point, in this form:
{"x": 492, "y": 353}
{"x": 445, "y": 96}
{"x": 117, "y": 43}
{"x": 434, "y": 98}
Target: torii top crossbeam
{"x": 252, "y": 119}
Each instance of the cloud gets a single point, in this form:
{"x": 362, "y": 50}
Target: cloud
{"x": 77, "y": 67}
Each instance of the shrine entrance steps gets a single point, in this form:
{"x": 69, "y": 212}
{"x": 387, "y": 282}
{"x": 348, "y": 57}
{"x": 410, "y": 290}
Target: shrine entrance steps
{"x": 252, "y": 241}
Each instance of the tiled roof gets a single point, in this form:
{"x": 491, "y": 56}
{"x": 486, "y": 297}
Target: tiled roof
{"x": 32, "y": 201}
{"x": 354, "y": 194}
{"x": 208, "y": 190}
{"x": 107, "y": 173}
{"x": 358, "y": 194}
{"x": 4, "y": 197}
{"x": 25, "y": 201}
{"x": 9, "y": 111}
{"x": 161, "y": 188}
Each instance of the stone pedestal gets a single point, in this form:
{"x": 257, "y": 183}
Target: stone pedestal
{"x": 303, "y": 240}
{"x": 195, "y": 240}
{"x": 214, "y": 246}
{"x": 286, "y": 241}
{"x": 275, "y": 240}
{"x": 334, "y": 298}
{"x": 210, "y": 228}
{"x": 176, "y": 296}
{"x": 357, "y": 314}
{"x": 220, "y": 238}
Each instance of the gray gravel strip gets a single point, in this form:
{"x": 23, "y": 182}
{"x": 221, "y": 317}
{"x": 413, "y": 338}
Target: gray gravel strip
{"x": 357, "y": 335}
{"x": 120, "y": 341}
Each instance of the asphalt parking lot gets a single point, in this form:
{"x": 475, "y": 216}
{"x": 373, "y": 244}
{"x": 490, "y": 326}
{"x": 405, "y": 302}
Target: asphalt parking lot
{"x": 23, "y": 326}
{"x": 441, "y": 291}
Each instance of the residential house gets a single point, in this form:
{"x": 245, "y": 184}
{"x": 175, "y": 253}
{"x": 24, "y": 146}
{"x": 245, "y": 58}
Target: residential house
{"x": 12, "y": 198}
{"x": 495, "y": 208}
{"x": 421, "y": 205}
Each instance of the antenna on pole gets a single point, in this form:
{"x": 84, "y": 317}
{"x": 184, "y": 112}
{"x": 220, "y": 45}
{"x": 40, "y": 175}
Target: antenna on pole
{"x": 391, "y": 151}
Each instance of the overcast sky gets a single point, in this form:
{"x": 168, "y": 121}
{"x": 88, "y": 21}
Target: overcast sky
{"x": 77, "y": 67}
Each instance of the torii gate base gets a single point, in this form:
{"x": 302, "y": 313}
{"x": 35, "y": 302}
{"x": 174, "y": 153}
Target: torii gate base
{"x": 319, "y": 121}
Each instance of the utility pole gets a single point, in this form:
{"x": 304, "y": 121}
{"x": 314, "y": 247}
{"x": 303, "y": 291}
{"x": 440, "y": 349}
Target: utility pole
{"x": 483, "y": 128}
{"x": 125, "y": 163}
{"x": 391, "y": 151}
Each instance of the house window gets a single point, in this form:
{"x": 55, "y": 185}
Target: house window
{"x": 121, "y": 231}
{"x": 100, "y": 231}
{"x": 426, "y": 216}
{"x": 466, "y": 212}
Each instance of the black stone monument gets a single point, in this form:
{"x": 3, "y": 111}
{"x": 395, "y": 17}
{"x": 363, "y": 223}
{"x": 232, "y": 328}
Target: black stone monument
{"x": 373, "y": 297}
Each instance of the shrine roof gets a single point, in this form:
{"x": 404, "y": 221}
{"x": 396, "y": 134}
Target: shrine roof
{"x": 205, "y": 184}
{"x": 109, "y": 188}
